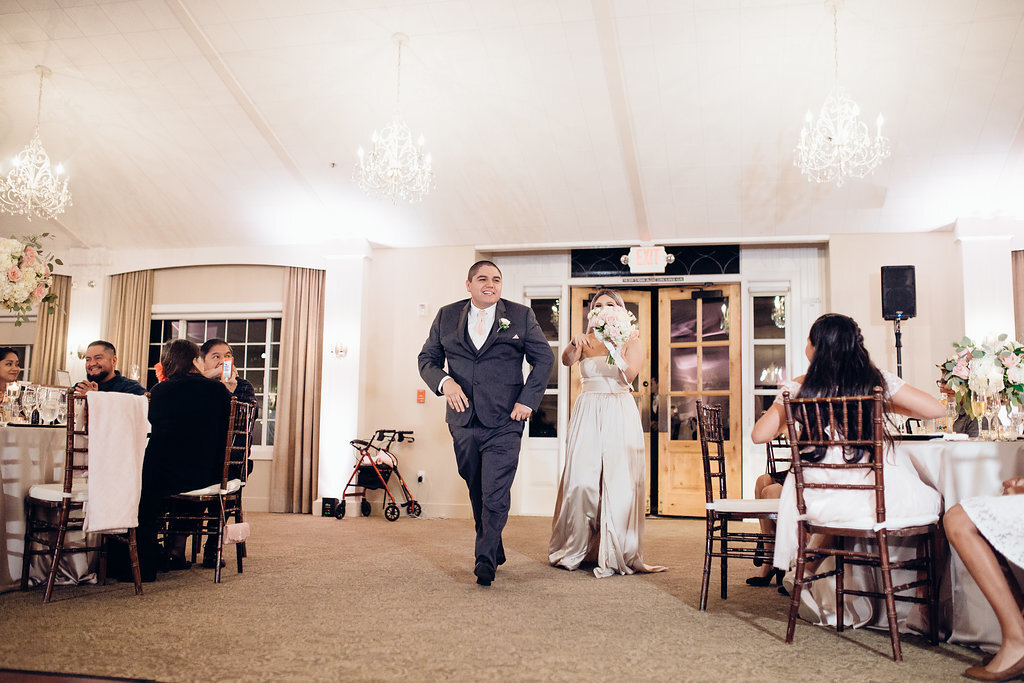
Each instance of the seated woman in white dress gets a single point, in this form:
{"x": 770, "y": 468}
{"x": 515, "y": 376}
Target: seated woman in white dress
{"x": 978, "y": 529}
{"x": 599, "y": 513}
{"x": 841, "y": 366}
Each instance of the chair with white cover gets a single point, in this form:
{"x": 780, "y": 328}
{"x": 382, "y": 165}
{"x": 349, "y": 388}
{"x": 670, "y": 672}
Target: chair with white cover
{"x": 205, "y": 512}
{"x": 720, "y": 509}
{"x": 855, "y": 423}
{"x": 67, "y": 503}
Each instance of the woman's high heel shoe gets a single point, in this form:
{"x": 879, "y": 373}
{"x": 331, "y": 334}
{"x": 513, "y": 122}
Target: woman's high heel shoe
{"x": 774, "y": 574}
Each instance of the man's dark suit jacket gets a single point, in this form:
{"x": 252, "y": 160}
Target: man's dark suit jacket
{"x": 492, "y": 378}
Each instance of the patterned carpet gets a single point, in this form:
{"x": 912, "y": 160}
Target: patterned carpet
{"x": 365, "y": 599}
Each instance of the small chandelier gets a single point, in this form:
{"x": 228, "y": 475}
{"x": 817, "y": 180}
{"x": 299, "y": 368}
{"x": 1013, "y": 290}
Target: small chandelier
{"x": 837, "y": 146}
{"x": 395, "y": 168}
{"x": 31, "y": 188}
{"x": 779, "y": 312}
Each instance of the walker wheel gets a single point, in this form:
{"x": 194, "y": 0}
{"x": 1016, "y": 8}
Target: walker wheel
{"x": 364, "y": 507}
{"x": 391, "y": 512}
{"x": 414, "y": 509}
{"x": 339, "y": 511}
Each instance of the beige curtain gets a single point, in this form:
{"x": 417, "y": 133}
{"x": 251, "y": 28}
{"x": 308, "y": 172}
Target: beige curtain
{"x": 49, "y": 353}
{"x": 1018, "y": 293}
{"x": 295, "y": 469}
{"x": 130, "y": 312}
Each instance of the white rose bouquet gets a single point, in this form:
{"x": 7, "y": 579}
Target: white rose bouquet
{"x": 614, "y": 326}
{"x": 25, "y": 275}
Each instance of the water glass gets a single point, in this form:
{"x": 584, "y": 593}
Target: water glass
{"x": 28, "y": 401}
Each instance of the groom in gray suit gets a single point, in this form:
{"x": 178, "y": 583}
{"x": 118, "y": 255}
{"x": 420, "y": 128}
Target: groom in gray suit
{"x": 484, "y": 340}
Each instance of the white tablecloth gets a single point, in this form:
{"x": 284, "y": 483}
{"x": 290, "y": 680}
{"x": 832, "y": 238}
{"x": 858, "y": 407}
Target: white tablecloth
{"x": 31, "y": 455}
{"x": 959, "y": 470}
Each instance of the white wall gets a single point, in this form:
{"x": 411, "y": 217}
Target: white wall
{"x": 855, "y": 279}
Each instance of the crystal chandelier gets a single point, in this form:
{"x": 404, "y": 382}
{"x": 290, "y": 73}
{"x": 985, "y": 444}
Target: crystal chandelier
{"x": 31, "y": 188}
{"x": 837, "y": 146}
{"x": 395, "y": 168}
{"x": 779, "y": 312}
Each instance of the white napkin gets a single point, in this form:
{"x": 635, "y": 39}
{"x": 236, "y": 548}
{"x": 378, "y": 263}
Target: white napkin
{"x": 118, "y": 429}
{"x": 955, "y": 437}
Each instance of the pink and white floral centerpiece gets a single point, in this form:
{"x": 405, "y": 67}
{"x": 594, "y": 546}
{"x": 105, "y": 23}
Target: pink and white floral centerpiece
{"x": 993, "y": 368}
{"x": 614, "y": 326}
{"x": 26, "y": 275}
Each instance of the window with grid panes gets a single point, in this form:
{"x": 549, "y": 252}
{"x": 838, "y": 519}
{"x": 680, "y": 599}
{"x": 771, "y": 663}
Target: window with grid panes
{"x": 256, "y": 345}
{"x": 770, "y": 349}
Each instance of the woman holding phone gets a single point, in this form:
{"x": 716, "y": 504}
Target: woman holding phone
{"x": 219, "y": 363}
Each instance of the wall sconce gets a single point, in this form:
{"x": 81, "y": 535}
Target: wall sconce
{"x": 80, "y": 352}
{"x": 339, "y": 350}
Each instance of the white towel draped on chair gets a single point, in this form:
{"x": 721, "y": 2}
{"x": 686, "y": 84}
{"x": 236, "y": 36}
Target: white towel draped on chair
{"x": 118, "y": 432}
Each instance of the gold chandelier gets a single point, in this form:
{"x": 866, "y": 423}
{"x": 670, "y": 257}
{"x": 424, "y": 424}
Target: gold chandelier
{"x": 31, "y": 188}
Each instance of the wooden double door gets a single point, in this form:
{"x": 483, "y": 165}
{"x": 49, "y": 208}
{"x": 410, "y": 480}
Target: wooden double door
{"x": 691, "y": 338}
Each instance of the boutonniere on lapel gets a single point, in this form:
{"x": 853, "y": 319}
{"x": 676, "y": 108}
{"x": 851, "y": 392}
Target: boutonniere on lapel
{"x": 503, "y": 324}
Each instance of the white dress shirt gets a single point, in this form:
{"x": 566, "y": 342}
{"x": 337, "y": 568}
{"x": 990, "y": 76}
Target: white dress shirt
{"x": 471, "y": 324}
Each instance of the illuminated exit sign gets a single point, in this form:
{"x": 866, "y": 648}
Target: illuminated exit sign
{"x": 647, "y": 259}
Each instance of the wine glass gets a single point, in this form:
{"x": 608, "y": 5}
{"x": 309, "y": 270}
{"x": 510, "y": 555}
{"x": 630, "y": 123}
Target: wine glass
{"x": 47, "y": 406}
{"x": 62, "y": 406}
{"x": 978, "y": 401}
{"x": 992, "y": 405}
{"x": 1016, "y": 420}
{"x": 28, "y": 401}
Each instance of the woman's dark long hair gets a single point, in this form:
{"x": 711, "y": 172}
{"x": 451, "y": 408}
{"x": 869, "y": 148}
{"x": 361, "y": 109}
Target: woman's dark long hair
{"x": 841, "y": 366}
{"x": 177, "y": 356}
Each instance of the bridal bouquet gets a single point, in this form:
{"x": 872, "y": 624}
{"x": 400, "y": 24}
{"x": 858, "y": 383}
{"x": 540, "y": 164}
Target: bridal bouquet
{"x": 993, "y": 368}
{"x": 614, "y": 326}
{"x": 25, "y": 275}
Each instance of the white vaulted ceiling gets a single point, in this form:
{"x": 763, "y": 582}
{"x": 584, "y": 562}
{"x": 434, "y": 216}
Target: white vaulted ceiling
{"x": 188, "y": 123}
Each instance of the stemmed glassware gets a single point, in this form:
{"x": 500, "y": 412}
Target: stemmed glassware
{"x": 47, "y": 406}
{"x": 978, "y": 402}
{"x": 62, "y": 406}
{"x": 28, "y": 401}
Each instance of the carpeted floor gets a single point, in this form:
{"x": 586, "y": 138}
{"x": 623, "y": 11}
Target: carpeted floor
{"x": 365, "y": 599}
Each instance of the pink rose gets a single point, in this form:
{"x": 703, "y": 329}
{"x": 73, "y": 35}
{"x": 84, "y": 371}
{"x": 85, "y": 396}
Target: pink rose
{"x": 38, "y": 293}
{"x": 13, "y": 274}
{"x": 961, "y": 370}
{"x": 1009, "y": 359}
{"x": 29, "y": 258}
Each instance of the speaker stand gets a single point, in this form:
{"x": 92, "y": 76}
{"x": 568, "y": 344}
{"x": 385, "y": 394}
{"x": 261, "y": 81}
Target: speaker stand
{"x": 899, "y": 347}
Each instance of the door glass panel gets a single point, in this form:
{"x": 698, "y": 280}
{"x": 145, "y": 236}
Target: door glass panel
{"x": 715, "y": 320}
{"x": 683, "y": 321}
{"x": 544, "y": 421}
{"x": 682, "y": 422}
{"x": 723, "y": 403}
{"x": 547, "y": 311}
{"x": 684, "y": 370}
{"x": 769, "y": 366}
{"x": 715, "y": 368}
{"x": 769, "y": 317}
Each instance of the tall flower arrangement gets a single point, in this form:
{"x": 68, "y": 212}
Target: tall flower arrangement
{"x": 25, "y": 275}
{"x": 994, "y": 368}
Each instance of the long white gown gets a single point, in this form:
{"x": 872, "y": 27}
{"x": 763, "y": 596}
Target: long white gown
{"x": 599, "y": 514}
{"x": 906, "y": 497}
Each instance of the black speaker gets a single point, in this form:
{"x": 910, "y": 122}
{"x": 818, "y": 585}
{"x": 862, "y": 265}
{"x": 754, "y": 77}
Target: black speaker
{"x": 899, "y": 292}
{"x": 327, "y": 506}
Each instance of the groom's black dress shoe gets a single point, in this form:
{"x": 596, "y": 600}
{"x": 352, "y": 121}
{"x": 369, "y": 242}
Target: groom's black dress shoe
{"x": 484, "y": 574}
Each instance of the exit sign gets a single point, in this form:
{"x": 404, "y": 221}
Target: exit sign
{"x": 647, "y": 260}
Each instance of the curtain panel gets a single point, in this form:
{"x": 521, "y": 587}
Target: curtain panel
{"x": 50, "y": 350}
{"x": 130, "y": 310}
{"x": 295, "y": 468}
{"x": 1017, "y": 264}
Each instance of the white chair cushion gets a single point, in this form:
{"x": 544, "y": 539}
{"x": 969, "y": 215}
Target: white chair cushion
{"x": 745, "y": 505}
{"x": 864, "y": 523}
{"x": 214, "y": 489}
{"x": 54, "y": 493}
